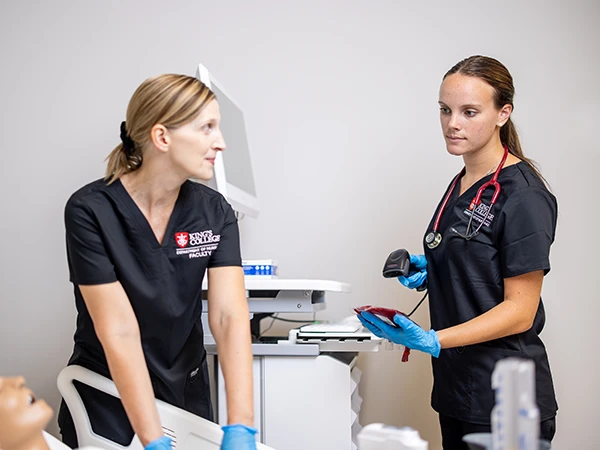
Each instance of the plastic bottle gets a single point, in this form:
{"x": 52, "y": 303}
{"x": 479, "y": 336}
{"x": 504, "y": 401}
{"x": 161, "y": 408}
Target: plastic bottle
{"x": 515, "y": 417}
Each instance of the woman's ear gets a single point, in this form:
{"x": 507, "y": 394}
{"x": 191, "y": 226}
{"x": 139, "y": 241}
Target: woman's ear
{"x": 504, "y": 115}
{"x": 160, "y": 137}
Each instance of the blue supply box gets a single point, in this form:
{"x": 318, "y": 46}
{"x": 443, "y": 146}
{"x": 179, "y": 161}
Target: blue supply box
{"x": 260, "y": 268}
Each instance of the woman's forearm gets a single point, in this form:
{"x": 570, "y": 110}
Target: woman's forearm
{"x": 505, "y": 319}
{"x": 130, "y": 374}
{"x": 232, "y": 335}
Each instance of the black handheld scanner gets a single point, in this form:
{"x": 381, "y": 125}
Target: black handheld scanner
{"x": 398, "y": 264}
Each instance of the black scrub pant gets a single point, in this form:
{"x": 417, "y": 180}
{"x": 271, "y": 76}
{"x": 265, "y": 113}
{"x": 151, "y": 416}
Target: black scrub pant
{"x": 453, "y": 431}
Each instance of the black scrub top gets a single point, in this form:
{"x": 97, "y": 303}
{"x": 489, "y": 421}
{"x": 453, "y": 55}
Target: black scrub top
{"x": 108, "y": 240}
{"x": 466, "y": 279}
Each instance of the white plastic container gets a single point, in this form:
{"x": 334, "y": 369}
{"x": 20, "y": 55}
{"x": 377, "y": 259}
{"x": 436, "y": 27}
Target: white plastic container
{"x": 378, "y": 436}
{"x": 515, "y": 417}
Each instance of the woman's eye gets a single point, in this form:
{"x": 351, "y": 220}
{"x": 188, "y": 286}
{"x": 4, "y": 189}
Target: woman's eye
{"x": 470, "y": 113}
{"x": 208, "y": 127}
{"x": 444, "y": 110}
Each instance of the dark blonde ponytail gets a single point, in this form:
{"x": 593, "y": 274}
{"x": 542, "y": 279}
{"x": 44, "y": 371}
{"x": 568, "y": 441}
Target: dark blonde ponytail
{"x": 171, "y": 100}
{"x": 124, "y": 158}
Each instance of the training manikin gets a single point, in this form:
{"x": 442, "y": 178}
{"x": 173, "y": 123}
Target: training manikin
{"x": 22, "y": 417}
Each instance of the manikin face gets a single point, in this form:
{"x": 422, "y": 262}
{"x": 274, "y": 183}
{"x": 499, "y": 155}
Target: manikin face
{"x": 22, "y": 416}
{"x": 470, "y": 120}
{"x": 194, "y": 146}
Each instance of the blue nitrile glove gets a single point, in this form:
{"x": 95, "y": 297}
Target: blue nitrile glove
{"x": 238, "y": 437}
{"x": 371, "y": 327}
{"x": 417, "y": 277}
{"x": 162, "y": 443}
{"x": 406, "y": 333}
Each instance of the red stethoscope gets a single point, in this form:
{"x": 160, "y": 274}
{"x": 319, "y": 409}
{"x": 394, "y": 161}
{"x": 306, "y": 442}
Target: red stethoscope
{"x": 434, "y": 238}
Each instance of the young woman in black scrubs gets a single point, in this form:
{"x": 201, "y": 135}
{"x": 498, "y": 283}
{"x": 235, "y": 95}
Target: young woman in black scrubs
{"x": 139, "y": 242}
{"x": 486, "y": 253}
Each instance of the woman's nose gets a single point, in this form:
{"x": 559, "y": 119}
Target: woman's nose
{"x": 220, "y": 142}
{"x": 454, "y": 121}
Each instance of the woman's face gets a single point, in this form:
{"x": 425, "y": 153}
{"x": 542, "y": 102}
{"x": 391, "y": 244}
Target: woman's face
{"x": 22, "y": 416}
{"x": 194, "y": 146}
{"x": 470, "y": 120}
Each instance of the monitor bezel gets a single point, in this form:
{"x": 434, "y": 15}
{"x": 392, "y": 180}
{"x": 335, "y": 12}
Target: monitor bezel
{"x": 241, "y": 201}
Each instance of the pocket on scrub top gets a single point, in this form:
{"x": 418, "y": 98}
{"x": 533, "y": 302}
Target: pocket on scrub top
{"x": 452, "y": 383}
{"x": 482, "y": 360}
{"x": 197, "y": 392}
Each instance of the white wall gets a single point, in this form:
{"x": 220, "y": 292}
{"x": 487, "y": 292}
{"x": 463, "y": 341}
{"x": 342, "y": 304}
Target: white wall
{"x": 340, "y": 99}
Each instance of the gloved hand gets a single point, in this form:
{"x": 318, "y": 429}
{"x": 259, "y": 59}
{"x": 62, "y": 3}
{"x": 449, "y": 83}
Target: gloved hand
{"x": 416, "y": 278}
{"x": 406, "y": 333}
{"x": 238, "y": 437}
{"x": 162, "y": 443}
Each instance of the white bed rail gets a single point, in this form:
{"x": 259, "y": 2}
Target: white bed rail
{"x": 188, "y": 431}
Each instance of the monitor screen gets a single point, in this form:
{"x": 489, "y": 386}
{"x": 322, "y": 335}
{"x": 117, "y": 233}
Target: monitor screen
{"x": 233, "y": 178}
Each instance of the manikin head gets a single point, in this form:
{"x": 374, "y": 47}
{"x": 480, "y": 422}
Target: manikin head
{"x": 22, "y": 416}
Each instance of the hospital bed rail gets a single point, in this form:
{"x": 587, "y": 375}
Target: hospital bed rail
{"x": 188, "y": 431}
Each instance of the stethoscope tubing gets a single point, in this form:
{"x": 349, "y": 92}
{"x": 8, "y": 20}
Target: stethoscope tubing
{"x": 476, "y": 200}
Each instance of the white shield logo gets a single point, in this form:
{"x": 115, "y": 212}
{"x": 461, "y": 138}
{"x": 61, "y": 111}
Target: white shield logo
{"x": 182, "y": 238}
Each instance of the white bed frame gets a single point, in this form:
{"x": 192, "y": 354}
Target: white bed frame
{"x": 188, "y": 431}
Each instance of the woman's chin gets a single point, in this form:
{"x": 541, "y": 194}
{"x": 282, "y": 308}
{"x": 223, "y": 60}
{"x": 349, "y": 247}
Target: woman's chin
{"x": 454, "y": 150}
{"x": 204, "y": 174}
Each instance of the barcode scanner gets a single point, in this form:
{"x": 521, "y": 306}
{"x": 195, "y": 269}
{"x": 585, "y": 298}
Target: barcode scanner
{"x": 398, "y": 264}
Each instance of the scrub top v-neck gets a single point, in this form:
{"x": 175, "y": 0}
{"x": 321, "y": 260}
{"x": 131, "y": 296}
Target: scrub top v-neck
{"x": 142, "y": 223}
{"x": 466, "y": 279}
{"x": 109, "y": 239}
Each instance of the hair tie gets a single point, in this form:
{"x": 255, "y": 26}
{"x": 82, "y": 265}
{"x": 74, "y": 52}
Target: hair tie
{"x": 128, "y": 144}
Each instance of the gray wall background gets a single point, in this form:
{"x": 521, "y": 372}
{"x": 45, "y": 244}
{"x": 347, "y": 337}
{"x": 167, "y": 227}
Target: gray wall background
{"x": 340, "y": 99}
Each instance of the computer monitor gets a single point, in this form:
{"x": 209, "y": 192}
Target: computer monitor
{"x": 233, "y": 178}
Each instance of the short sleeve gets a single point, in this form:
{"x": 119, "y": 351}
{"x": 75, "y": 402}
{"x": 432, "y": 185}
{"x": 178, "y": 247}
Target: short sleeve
{"x": 228, "y": 251}
{"x": 89, "y": 262}
{"x": 528, "y": 225}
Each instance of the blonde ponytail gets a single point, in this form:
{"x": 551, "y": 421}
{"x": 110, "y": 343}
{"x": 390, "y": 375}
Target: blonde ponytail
{"x": 171, "y": 100}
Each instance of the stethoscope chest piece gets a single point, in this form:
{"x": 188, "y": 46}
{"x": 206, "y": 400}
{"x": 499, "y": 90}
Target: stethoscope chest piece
{"x": 433, "y": 239}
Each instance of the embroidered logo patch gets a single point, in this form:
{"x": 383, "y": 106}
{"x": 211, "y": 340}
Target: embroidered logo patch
{"x": 201, "y": 243}
{"x": 481, "y": 213}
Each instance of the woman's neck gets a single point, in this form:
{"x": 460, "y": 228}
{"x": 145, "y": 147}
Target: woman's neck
{"x": 483, "y": 162}
{"x": 480, "y": 164}
{"x": 151, "y": 189}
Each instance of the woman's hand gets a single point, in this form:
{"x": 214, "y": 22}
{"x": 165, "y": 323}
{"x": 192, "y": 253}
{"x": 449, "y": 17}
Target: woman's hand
{"x": 418, "y": 273}
{"x": 162, "y": 443}
{"x": 406, "y": 333}
{"x": 238, "y": 437}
